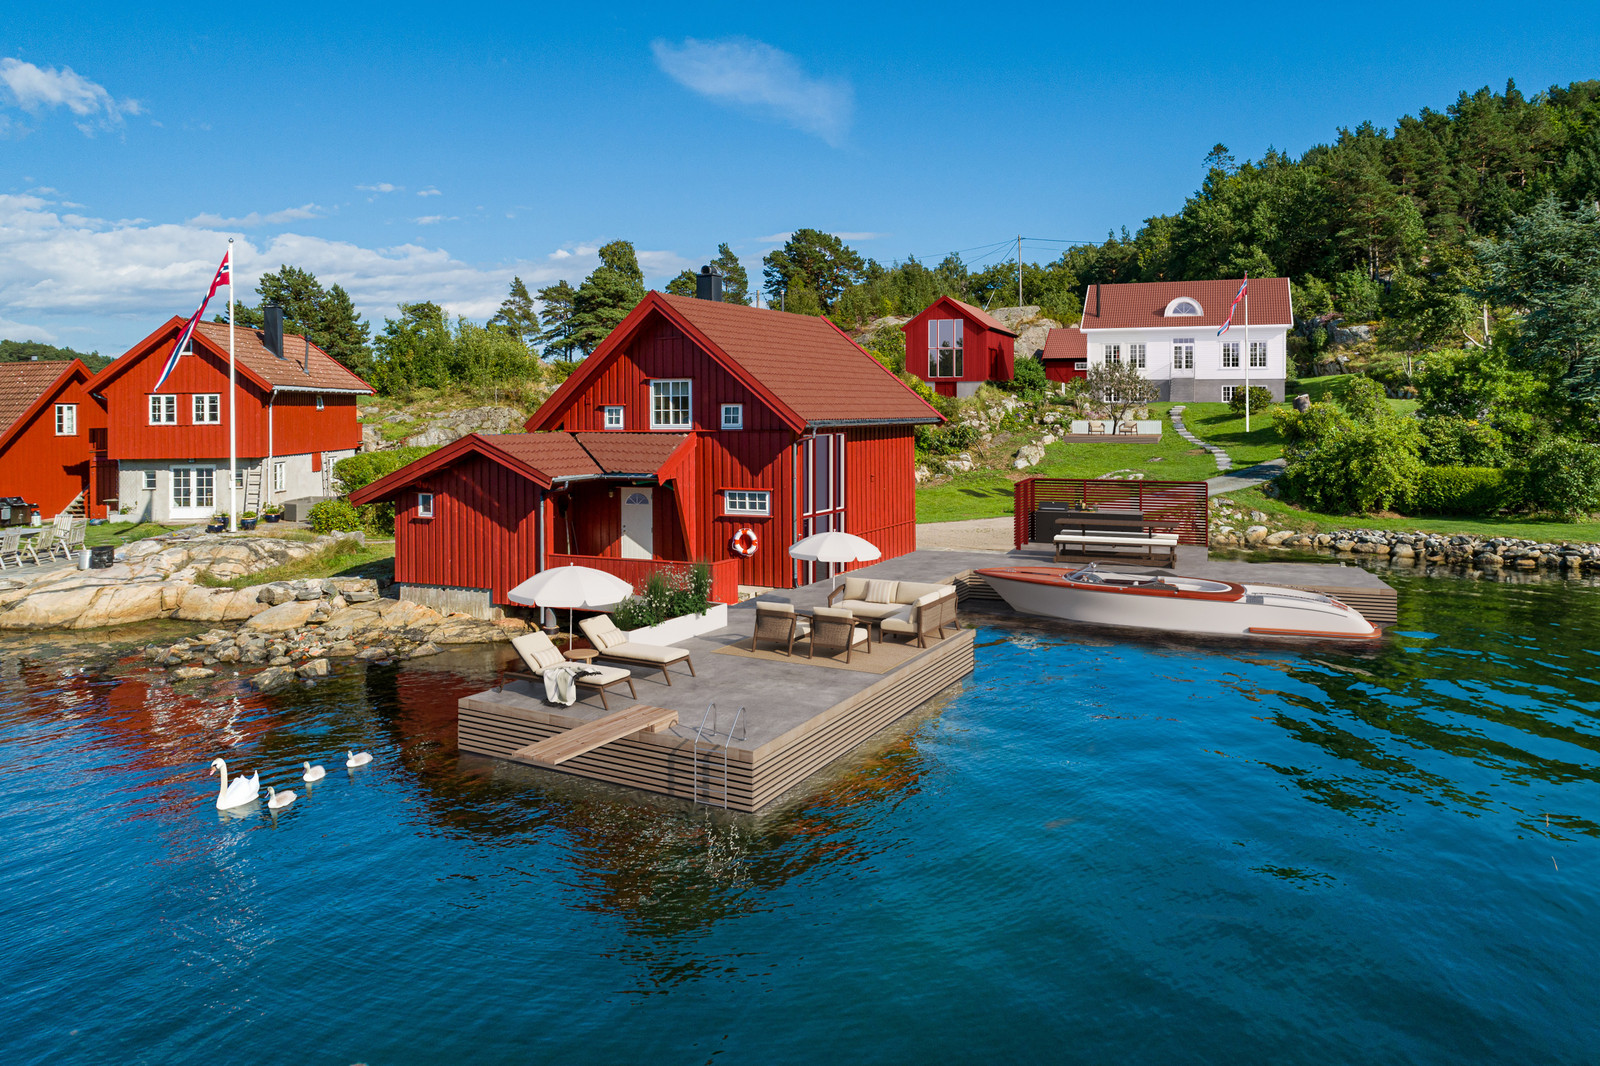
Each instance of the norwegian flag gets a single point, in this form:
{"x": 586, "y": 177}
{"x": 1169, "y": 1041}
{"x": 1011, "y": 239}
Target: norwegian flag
{"x": 1233, "y": 306}
{"x": 224, "y": 276}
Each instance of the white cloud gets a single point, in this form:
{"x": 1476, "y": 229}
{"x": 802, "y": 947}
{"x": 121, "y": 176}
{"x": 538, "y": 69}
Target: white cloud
{"x": 382, "y": 186}
{"x": 429, "y": 191}
{"x": 37, "y": 89}
{"x": 255, "y": 218}
{"x": 775, "y": 238}
{"x": 760, "y": 78}
{"x": 23, "y": 331}
{"x": 434, "y": 220}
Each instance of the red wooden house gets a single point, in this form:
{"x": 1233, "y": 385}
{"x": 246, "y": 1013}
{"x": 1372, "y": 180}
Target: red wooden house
{"x": 1066, "y": 354}
{"x": 956, "y": 347}
{"x": 296, "y": 417}
{"x": 52, "y": 437}
{"x": 695, "y": 430}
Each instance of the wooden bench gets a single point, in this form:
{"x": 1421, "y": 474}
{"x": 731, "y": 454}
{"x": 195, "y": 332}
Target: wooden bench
{"x": 640, "y": 718}
{"x": 1117, "y": 542}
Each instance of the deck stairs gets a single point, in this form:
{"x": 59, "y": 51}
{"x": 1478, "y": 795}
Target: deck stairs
{"x": 640, "y": 718}
{"x": 705, "y": 786}
{"x": 77, "y": 508}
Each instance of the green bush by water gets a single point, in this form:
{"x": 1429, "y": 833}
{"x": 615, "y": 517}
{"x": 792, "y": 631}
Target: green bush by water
{"x": 1463, "y": 490}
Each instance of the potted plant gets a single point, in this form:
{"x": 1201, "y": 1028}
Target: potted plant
{"x": 218, "y": 524}
{"x": 247, "y": 520}
{"x": 272, "y": 512}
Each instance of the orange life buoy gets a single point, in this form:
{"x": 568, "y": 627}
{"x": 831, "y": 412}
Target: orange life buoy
{"x": 744, "y": 541}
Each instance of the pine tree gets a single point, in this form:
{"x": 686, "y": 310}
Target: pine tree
{"x": 685, "y": 284}
{"x": 327, "y": 317}
{"x": 825, "y": 262}
{"x": 607, "y": 295}
{"x": 517, "y": 315}
{"x": 342, "y": 333}
{"x": 735, "y": 282}
{"x": 557, "y": 303}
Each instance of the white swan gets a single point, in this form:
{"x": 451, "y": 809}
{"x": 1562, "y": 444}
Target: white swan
{"x": 277, "y": 801}
{"x": 313, "y": 773}
{"x": 357, "y": 759}
{"x": 239, "y": 791}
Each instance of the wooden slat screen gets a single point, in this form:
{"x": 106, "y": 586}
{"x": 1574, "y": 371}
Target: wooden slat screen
{"x": 1182, "y": 502}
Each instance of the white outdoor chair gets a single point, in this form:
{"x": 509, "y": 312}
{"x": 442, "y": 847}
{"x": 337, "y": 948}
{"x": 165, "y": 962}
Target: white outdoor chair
{"x": 10, "y": 548}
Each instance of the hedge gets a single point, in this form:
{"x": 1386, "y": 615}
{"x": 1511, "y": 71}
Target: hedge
{"x": 1464, "y": 490}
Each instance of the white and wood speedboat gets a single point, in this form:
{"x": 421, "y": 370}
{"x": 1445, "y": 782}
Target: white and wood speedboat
{"x": 1176, "y": 604}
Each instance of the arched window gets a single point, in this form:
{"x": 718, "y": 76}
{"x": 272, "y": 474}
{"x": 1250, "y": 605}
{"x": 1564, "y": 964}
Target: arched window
{"x": 1184, "y": 306}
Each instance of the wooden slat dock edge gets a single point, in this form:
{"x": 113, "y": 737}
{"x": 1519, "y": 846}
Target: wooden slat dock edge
{"x": 664, "y": 762}
{"x": 555, "y": 750}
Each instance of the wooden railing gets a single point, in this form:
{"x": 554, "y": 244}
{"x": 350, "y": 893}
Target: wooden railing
{"x": 724, "y": 572}
{"x": 1183, "y": 503}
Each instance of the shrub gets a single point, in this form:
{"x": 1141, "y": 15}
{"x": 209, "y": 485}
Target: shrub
{"x": 1463, "y": 490}
{"x": 363, "y": 468}
{"x": 1027, "y": 376}
{"x": 1351, "y": 467}
{"x": 1451, "y": 441}
{"x": 334, "y": 516}
{"x": 1260, "y": 400}
{"x": 1564, "y": 477}
{"x": 667, "y": 594}
{"x": 946, "y": 439}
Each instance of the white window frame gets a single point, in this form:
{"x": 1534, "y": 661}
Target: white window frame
{"x": 670, "y": 390}
{"x": 947, "y": 360}
{"x": 1230, "y": 355}
{"x": 163, "y": 409}
{"x": 319, "y": 401}
{"x": 1183, "y": 353}
{"x": 1228, "y": 391}
{"x": 280, "y": 476}
{"x": 187, "y": 478}
{"x": 1258, "y": 355}
{"x": 149, "y": 481}
{"x": 737, "y": 421}
{"x": 1113, "y": 353}
{"x": 66, "y": 420}
{"x": 424, "y": 505}
{"x": 614, "y": 416}
{"x": 206, "y": 408}
{"x": 1136, "y": 356}
{"x": 1173, "y": 304}
{"x": 752, "y": 502}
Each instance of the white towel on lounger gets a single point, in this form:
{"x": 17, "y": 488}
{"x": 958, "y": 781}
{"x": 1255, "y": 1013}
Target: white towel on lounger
{"x": 561, "y": 682}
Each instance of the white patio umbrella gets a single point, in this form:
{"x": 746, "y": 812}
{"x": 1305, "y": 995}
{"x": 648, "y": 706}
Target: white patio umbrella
{"x": 573, "y": 587}
{"x": 834, "y": 547}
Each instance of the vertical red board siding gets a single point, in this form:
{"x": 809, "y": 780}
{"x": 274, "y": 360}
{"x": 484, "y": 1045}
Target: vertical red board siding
{"x": 48, "y": 470}
{"x": 298, "y": 427}
{"x": 1063, "y": 370}
{"x": 880, "y": 487}
{"x": 988, "y": 355}
{"x": 483, "y": 533}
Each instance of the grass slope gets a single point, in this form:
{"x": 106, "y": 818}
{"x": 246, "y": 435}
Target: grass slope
{"x": 344, "y": 559}
{"x": 1287, "y": 516}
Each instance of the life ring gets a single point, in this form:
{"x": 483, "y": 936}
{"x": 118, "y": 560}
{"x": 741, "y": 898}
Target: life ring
{"x": 744, "y": 541}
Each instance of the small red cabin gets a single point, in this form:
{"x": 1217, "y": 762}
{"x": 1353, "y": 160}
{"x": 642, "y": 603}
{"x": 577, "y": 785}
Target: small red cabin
{"x": 956, "y": 347}
{"x": 697, "y": 431}
{"x": 52, "y": 437}
{"x": 1066, "y": 354}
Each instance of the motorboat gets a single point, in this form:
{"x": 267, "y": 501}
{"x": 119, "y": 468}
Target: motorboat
{"x": 1176, "y": 604}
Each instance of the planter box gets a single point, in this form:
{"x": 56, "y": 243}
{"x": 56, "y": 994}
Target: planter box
{"x": 681, "y": 628}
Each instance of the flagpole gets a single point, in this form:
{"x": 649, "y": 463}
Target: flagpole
{"x": 1247, "y": 353}
{"x": 232, "y": 404}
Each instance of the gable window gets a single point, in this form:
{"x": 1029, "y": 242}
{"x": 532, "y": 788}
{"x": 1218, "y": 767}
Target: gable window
{"x": 424, "y": 505}
{"x": 207, "y": 408}
{"x": 163, "y": 410}
{"x": 613, "y": 416}
{"x": 946, "y": 342}
{"x": 1113, "y": 353}
{"x": 1183, "y": 353}
{"x": 746, "y": 502}
{"x": 149, "y": 481}
{"x": 1182, "y": 307}
{"x": 669, "y": 404}
{"x": 1258, "y": 353}
{"x": 279, "y": 476}
{"x": 733, "y": 416}
{"x": 1230, "y": 355}
{"x": 1136, "y": 355}
{"x": 66, "y": 420}
{"x": 319, "y": 401}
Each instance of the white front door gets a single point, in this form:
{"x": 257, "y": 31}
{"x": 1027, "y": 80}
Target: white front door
{"x": 638, "y": 524}
{"x": 193, "y": 492}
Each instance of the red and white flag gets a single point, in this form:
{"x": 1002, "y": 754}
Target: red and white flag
{"x": 224, "y": 274}
{"x": 1233, "y": 306}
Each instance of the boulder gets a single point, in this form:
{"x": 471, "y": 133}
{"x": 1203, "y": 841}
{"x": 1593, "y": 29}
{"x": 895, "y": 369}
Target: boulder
{"x": 314, "y": 668}
{"x": 1255, "y": 535}
{"x": 403, "y": 614}
{"x": 423, "y": 650}
{"x": 368, "y": 655}
{"x": 192, "y": 673}
{"x": 129, "y": 603}
{"x": 1276, "y": 539}
{"x": 1302, "y": 402}
{"x": 283, "y": 617}
{"x": 1031, "y": 454}
{"x": 201, "y": 604}
{"x": 272, "y": 677}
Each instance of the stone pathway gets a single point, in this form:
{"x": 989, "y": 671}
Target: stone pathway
{"x": 1249, "y": 477}
{"x": 1222, "y": 458}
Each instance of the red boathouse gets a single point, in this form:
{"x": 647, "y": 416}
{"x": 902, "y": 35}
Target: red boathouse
{"x": 956, "y": 347}
{"x": 52, "y": 437}
{"x": 697, "y": 431}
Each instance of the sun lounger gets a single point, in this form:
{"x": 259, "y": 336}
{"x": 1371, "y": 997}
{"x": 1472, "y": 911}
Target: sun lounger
{"x": 539, "y": 654}
{"x": 613, "y": 643}
{"x": 777, "y": 622}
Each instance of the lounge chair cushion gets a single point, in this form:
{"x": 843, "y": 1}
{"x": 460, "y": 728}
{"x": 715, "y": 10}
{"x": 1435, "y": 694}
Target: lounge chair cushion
{"x": 537, "y": 651}
{"x": 775, "y": 608}
{"x": 864, "y": 609}
{"x": 602, "y": 632}
{"x": 659, "y": 654}
{"x": 837, "y": 613}
{"x": 916, "y": 591}
{"x": 602, "y": 675}
{"x": 855, "y": 588}
{"x": 898, "y": 624}
{"x": 881, "y": 591}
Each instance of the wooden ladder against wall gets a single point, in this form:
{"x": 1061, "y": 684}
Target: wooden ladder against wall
{"x": 252, "y": 488}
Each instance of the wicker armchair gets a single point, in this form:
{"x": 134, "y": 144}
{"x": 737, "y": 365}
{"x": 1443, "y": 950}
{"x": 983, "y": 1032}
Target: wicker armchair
{"x": 835, "y": 629}
{"x": 777, "y": 622}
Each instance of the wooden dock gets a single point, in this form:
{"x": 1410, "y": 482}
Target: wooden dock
{"x": 580, "y": 740}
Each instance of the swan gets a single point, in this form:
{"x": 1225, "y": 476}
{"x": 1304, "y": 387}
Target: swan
{"x": 313, "y": 773}
{"x": 357, "y": 759}
{"x": 239, "y": 791}
{"x": 277, "y": 801}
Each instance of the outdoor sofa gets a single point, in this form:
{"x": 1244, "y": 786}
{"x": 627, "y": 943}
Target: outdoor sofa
{"x": 612, "y": 643}
{"x": 539, "y": 653}
{"x": 872, "y": 601}
{"x": 928, "y": 616}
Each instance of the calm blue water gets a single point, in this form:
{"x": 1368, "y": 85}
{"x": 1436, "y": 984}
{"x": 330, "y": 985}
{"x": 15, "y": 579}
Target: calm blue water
{"x": 1108, "y": 852}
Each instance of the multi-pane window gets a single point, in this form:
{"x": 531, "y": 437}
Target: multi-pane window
{"x": 746, "y": 501}
{"x": 1113, "y": 353}
{"x": 149, "y": 481}
{"x": 614, "y": 417}
{"x": 1183, "y": 307}
{"x": 205, "y": 486}
{"x": 1183, "y": 353}
{"x": 733, "y": 416}
{"x": 669, "y": 404}
{"x": 946, "y": 341}
{"x": 163, "y": 410}
{"x": 424, "y": 505}
{"x": 1230, "y": 355}
{"x": 279, "y": 477}
{"x": 66, "y": 420}
{"x": 207, "y": 408}
{"x": 193, "y": 486}
{"x": 1228, "y": 391}
{"x": 1136, "y": 356}
{"x": 1258, "y": 353}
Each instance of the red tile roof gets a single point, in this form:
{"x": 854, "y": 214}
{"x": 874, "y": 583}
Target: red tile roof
{"x": 1067, "y": 343}
{"x": 1143, "y": 305}
{"x": 21, "y": 384}
{"x": 327, "y": 374}
{"x": 806, "y": 362}
{"x": 630, "y": 453}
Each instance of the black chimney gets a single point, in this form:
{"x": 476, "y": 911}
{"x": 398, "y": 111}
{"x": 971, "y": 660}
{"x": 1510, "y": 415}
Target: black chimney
{"x": 272, "y": 323}
{"x": 708, "y": 284}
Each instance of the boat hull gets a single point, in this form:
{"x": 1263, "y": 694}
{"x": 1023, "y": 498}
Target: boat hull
{"x": 1179, "y": 605}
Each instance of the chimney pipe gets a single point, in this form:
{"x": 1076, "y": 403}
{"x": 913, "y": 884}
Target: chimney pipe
{"x": 272, "y": 325}
{"x": 708, "y": 284}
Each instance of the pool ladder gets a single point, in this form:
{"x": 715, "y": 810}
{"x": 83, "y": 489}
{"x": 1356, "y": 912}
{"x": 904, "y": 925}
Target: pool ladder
{"x": 705, "y": 747}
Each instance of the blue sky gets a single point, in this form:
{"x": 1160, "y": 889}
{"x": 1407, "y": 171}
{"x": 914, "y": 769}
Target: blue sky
{"x": 432, "y": 151}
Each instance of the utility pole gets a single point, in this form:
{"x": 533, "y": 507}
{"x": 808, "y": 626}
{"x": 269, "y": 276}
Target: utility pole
{"x": 1019, "y": 270}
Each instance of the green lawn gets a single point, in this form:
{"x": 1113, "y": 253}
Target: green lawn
{"x": 344, "y": 559}
{"x": 120, "y": 533}
{"x": 1215, "y": 423}
{"x": 1287, "y": 516}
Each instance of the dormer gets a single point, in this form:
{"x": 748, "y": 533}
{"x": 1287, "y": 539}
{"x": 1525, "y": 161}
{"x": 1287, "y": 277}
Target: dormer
{"x": 1183, "y": 307}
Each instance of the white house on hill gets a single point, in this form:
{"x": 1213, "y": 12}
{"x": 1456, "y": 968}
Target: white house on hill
{"x": 1168, "y": 329}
